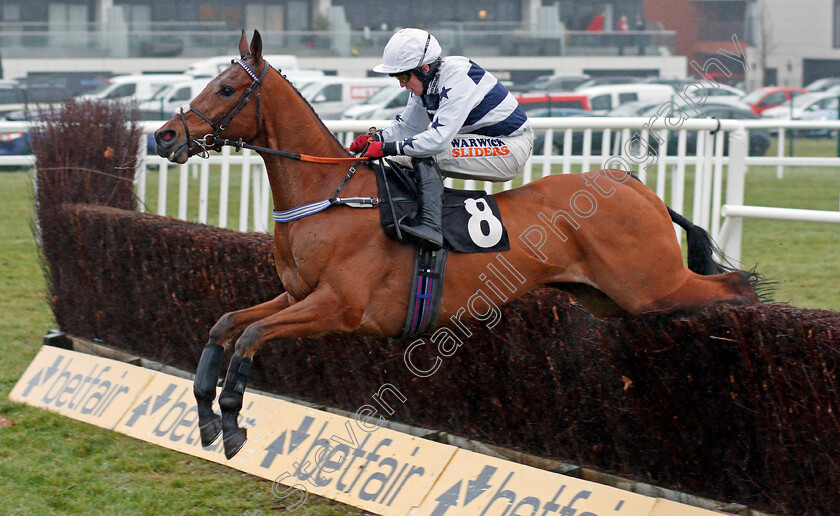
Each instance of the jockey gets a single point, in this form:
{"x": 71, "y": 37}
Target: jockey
{"x": 459, "y": 119}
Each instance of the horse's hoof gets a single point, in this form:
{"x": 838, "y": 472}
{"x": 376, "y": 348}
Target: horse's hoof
{"x": 234, "y": 442}
{"x": 210, "y": 431}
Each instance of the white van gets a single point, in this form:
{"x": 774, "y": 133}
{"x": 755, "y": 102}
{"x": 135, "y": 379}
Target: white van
{"x": 331, "y": 95}
{"x": 384, "y": 104}
{"x": 168, "y": 100}
{"x": 609, "y": 96}
{"x": 300, "y": 78}
{"x": 134, "y": 87}
{"x": 214, "y": 66}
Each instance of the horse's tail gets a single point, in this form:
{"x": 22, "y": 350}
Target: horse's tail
{"x": 701, "y": 248}
{"x": 701, "y": 252}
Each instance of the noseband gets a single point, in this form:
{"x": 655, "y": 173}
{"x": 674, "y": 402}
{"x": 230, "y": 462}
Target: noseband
{"x": 224, "y": 119}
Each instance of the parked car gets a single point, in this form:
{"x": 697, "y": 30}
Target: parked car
{"x": 134, "y": 87}
{"x": 605, "y": 98}
{"x": 551, "y": 83}
{"x": 330, "y": 96}
{"x": 213, "y": 66}
{"x": 677, "y": 84}
{"x": 823, "y": 84}
{"x": 12, "y": 98}
{"x": 762, "y": 99}
{"x": 386, "y": 103}
{"x": 798, "y": 106}
{"x": 531, "y": 101}
{"x": 557, "y": 141}
{"x": 635, "y": 108}
{"x": 169, "y": 99}
{"x": 708, "y": 91}
{"x": 14, "y": 144}
{"x": 759, "y": 139}
{"x": 608, "y": 80}
{"x": 819, "y": 115}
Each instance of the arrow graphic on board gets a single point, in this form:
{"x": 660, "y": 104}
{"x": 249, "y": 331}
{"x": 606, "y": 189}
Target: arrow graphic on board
{"x": 139, "y": 410}
{"x": 163, "y": 398}
{"x": 297, "y": 437}
{"x": 479, "y": 485}
{"x": 274, "y": 449}
{"x": 447, "y": 499}
{"x": 36, "y": 380}
{"x": 300, "y": 435}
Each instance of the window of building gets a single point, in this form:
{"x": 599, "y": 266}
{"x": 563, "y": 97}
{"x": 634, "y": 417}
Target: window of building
{"x": 10, "y": 13}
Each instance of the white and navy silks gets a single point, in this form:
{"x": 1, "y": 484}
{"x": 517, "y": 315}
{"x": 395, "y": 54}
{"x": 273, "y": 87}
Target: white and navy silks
{"x": 468, "y": 121}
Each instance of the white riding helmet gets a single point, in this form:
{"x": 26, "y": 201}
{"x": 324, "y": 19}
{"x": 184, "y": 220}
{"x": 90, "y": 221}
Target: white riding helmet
{"x": 408, "y": 49}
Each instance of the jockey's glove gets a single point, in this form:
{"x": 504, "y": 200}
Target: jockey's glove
{"x": 359, "y": 143}
{"x": 380, "y": 149}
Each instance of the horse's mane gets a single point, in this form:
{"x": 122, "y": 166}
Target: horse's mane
{"x": 311, "y": 109}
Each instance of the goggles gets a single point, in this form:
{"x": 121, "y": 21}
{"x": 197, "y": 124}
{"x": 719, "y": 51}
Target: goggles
{"x": 403, "y": 77}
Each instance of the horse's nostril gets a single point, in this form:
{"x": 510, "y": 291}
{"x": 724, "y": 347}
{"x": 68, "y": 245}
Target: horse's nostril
{"x": 167, "y": 135}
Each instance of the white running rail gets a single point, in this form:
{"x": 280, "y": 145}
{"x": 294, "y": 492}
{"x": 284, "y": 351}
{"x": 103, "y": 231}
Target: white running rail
{"x": 721, "y": 217}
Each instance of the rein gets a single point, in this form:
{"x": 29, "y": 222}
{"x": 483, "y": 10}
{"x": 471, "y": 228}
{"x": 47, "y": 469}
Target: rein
{"x": 214, "y": 142}
{"x": 211, "y": 141}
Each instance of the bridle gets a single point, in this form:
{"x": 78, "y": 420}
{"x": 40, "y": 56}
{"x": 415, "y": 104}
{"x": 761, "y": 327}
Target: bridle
{"x": 212, "y": 141}
{"x": 225, "y": 118}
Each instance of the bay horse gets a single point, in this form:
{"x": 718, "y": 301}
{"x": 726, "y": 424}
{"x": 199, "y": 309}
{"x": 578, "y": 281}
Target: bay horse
{"x": 341, "y": 273}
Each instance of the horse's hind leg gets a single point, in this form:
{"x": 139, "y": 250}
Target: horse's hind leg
{"x": 207, "y": 373}
{"x": 702, "y": 291}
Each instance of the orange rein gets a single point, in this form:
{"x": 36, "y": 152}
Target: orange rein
{"x": 210, "y": 141}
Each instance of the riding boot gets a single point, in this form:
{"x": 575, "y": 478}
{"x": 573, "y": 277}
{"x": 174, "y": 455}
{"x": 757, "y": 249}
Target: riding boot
{"x": 426, "y": 225}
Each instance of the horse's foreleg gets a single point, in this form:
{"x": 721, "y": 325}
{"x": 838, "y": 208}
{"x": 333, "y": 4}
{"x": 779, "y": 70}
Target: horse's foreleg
{"x": 318, "y": 313}
{"x": 207, "y": 373}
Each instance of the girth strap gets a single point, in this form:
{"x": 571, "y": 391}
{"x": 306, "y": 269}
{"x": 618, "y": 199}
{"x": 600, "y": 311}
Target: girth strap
{"x": 426, "y": 290}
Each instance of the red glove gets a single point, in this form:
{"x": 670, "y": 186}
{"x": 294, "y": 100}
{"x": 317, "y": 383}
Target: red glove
{"x": 374, "y": 150}
{"x": 359, "y": 143}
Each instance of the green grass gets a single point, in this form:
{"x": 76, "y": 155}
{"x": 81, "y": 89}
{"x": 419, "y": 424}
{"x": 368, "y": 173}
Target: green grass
{"x": 50, "y": 464}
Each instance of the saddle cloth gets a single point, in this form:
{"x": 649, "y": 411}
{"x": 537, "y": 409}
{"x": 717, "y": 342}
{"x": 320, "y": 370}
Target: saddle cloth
{"x": 471, "y": 219}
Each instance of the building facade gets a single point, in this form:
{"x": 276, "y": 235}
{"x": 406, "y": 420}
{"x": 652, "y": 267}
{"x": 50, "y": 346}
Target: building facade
{"x": 795, "y": 43}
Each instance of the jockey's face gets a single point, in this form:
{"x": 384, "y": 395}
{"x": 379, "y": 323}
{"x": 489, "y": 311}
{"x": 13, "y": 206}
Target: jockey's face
{"x": 413, "y": 85}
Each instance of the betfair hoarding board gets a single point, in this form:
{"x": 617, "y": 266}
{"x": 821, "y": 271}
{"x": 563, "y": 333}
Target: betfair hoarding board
{"x": 476, "y": 484}
{"x": 311, "y": 451}
{"x": 303, "y": 451}
{"x": 84, "y": 387}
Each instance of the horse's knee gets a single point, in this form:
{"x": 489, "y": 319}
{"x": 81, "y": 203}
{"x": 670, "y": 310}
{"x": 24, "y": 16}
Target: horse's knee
{"x": 221, "y": 328}
{"x": 245, "y": 343}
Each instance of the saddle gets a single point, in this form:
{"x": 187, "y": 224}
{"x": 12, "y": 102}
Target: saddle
{"x": 471, "y": 224}
{"x": 471, "y": 219}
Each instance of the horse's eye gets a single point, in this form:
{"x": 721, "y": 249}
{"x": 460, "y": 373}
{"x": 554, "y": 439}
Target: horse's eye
{"x": 227, "y": 91}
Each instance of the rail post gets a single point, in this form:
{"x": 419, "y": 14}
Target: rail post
{"x": 730, "y": 233}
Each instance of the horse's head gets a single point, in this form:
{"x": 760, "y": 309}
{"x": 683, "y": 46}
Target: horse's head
{"x": 228, "y": 107}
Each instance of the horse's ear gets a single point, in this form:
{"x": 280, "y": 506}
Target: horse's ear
{"x": 243, "y": 45}
{"x": 256, "y": 47}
